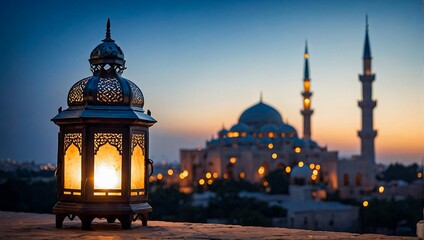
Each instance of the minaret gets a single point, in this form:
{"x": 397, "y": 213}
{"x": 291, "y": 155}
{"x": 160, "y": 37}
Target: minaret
{"x": 367, "y": 134}
{"x": 307, "y": 111}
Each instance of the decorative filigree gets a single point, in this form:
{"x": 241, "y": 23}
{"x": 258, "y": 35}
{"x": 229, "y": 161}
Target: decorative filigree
{"x": 72, "y": 138}
{"x": 137, "y": 139}
{"x": 76, "y": 94}
{"x": 137, "y": 98}
{"x": 114, "y": 139}
{"x": 109, "y": 91}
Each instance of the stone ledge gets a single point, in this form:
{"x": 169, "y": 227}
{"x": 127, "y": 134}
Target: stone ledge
{"x": 15, "y": 225}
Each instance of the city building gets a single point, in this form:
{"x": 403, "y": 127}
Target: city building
{"x": 261, "y": 142}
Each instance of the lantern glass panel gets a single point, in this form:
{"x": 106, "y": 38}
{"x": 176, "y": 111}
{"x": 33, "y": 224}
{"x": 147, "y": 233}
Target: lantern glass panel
{"x": 107, "y": 168}
{"x": 137, "y": 168}
{"x": 72, "y": 168}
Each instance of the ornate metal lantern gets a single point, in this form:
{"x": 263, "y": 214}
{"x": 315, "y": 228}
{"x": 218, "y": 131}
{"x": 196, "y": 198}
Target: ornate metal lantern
{"x": 103, "y": 145}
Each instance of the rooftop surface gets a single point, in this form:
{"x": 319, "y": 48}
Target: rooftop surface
{"x": 42, "y": 226}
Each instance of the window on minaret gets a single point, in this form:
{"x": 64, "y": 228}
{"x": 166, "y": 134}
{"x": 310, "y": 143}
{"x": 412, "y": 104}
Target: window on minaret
{"x": 307, "y": 103}
{"x": 306, "y": 85}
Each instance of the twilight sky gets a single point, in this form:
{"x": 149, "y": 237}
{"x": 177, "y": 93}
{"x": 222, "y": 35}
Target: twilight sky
{"x": 200, "y": 64}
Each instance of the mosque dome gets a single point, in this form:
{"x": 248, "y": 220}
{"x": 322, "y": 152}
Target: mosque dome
{"x": 106, "y": 87}
{"x": 222, "y": 132}
{"x": 240, "y": 127}
{"x": 287, "y": 129}
{"x": 268, "y": 128}
{"x": 260, "y": 114}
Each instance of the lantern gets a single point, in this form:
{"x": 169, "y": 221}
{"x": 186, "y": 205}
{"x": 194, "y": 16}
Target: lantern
{"x": 103, "y": 162}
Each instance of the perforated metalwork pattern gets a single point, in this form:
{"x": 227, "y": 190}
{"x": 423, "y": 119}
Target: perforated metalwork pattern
{"x": 137, "y": 139}
{"x": 76, "y": 94}
{"x": 109, "y": 91}
{"x": 72, "y": 138}
{"x": 137, "y": 98}
{"x": 114, "y": 139}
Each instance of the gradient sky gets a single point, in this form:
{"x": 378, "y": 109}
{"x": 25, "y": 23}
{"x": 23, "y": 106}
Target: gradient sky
{"x": 201, "y": 63}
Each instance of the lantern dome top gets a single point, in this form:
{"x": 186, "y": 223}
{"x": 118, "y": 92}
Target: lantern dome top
{"x": 106, "y": 94}
{"x": 107, "y": 56}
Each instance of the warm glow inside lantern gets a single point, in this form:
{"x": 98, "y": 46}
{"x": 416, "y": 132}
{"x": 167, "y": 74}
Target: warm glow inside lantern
{"x": 103, "y": 164}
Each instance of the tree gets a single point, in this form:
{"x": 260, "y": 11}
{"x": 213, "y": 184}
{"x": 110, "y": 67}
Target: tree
{"x": 278, "y": 181}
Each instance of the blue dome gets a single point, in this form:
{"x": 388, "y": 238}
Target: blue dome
{"x": 268, "y": 128}
{"x": 285, "y": 128}
{"x": 223, "y": 131}
{"x": 240, "y": 127}
{"x": 260, "y": 114}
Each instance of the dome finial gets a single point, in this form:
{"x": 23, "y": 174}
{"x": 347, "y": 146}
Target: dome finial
{"x": 108, "y": 36}
{"x": 260, "y": 97}
{"x": 366, "y": 20}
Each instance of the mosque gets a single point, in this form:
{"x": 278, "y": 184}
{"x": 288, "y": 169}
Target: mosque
{"x": 262, "y": 142}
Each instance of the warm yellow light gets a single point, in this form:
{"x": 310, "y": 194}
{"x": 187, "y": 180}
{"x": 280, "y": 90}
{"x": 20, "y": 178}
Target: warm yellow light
{"x": 297, "y": 150}
{"x": 365, "y": 203}
{"x": 181, "y": 175}
{"x": 137, "y": 168}
{"x": 311, "y": 166}
{"x": 151, "y": 179}
{"x": 306, "y": 86}
{"x": 159, "y": 176}
{"x": 242, "y": 175}
{"x": 208, "y": 175}
{"x": 315, "y": 172}
{"x": 314, "y": 177}
{"x": 185, "y": 173}
{"x": 270, "y": 146}
{"x": 266, "y": 184}
{"x": 288, "y": 169}
{"x": 318, "y": 167}
{"x": 300, "y": 164}
{"x": 233, "y": 160}
{"x": 271, "y": 134}
{"x": 274, "y": 156}
{"x": 261, "y": 170}
{"x": 233, "y": 134}
{"x": 107, "y": 168}
{"x": 201, "y": 181}
{"x": 306, "y": 55}
{"x": 210, "y": 181}
{"x": 170, "y": 172}
{"x": 225, "y": 176}
{"x": 72, "y": 168}
{"x": 419, "y": 175}
{"x": 381, "y": 189}
{"x": 215, "y": 175}
{"x": 307, "y": 103}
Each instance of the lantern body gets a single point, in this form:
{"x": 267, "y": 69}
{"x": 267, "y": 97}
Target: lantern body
{"x": 103, "y": 164}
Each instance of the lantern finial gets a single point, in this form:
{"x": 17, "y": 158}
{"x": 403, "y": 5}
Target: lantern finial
{"x": 108, "y": 36}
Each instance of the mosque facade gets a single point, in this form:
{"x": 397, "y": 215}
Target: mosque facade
{"x": 261, "y": 142}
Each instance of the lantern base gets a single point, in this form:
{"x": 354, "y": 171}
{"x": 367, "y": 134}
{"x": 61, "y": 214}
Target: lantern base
{"x": 126, "y": 213}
